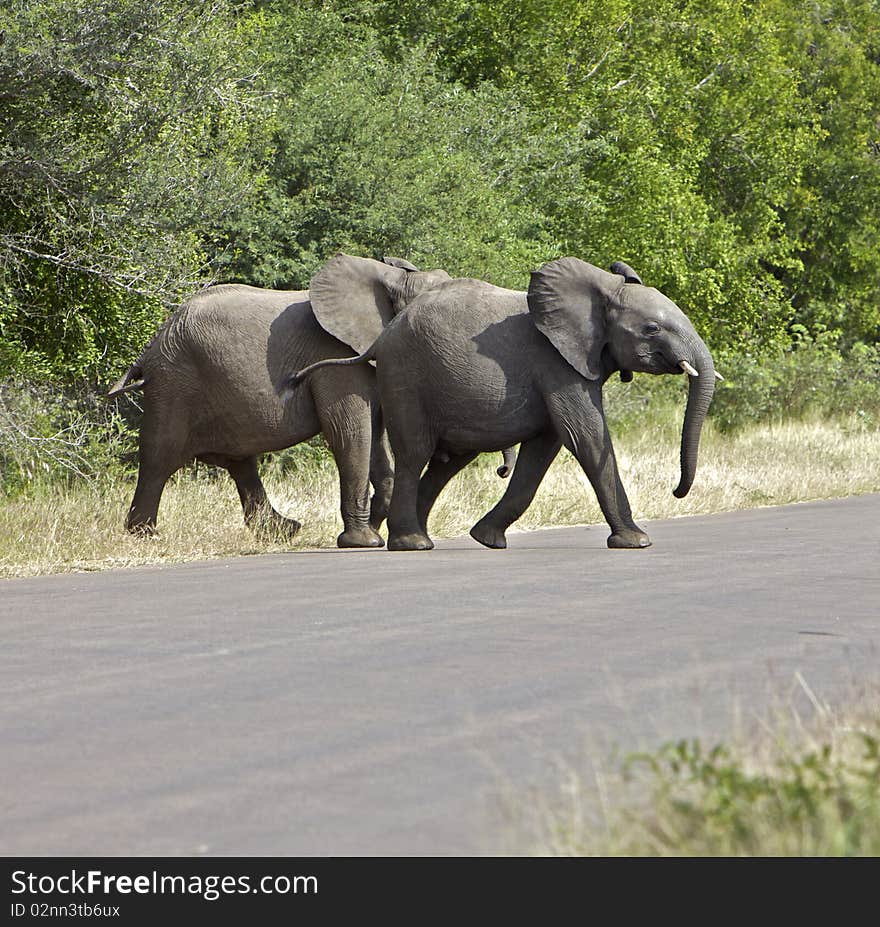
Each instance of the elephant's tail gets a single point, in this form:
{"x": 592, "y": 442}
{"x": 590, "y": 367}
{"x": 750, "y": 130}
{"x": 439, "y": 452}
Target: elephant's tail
{"x": 294, "y": 380}
{"x": 133, "y": 378}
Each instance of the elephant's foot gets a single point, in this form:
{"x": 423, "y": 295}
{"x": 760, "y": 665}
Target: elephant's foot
{"x": 141, "y": 529}
{"x": 628, "y": 539}
{"x": 488, "y": 535}
{"x": 359, "y": 537}
{"x": 270, "y": 526}
{"x": 413, "y": 541}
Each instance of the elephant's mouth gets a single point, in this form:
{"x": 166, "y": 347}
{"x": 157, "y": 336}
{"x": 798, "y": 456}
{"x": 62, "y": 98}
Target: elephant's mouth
{"x": 658, "y": 362}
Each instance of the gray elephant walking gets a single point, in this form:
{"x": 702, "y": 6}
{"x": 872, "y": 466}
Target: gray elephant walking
{"x": 471, "y": 367}
{"x": 211, "y": 379}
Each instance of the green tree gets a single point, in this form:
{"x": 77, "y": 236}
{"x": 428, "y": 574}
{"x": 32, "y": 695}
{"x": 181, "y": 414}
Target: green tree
{"x": 126, "y": 129}
{"x": 729, "y": 150}
{"x": 834, "y": 49}
{"x": 380, "y": 156}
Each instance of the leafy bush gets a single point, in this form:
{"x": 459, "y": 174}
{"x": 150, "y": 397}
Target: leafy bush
{"x": 811, "y": 376}
{"x": 48, "y": 436}
{"x": 709, "y": 802}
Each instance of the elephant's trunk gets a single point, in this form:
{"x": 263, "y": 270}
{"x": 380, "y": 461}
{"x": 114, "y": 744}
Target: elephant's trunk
{"x": 700, "y": 390}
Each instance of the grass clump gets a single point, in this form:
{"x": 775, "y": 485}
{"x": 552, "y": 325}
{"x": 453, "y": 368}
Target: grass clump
{"x": 708, "y": 802}
{"x": 793, "y": 790}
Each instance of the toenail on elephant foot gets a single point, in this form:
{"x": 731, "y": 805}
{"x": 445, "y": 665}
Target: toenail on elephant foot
{"x": 628, "y": 540}
{"x": 412, "y": 541}
{"x": 360, "y": 537}
{"x": 489, "y": 536}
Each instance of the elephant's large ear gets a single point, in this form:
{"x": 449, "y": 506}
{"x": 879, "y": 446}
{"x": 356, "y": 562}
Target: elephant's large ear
{"x": 625, "y": 271}
{"x": 350, "y": 298}
{"x": 402, "y": 263}
{"x": 567, "y": 300}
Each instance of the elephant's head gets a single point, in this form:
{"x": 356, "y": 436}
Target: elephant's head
{"x": 353, "y": 298}
{"x": 601, "y": 322}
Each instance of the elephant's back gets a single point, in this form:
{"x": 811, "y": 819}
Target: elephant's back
{"x": 247, "y": 334}
{"x": 465, "y": 326}
{"x": 227, "y": 311}
{"x": 463, "y": 308}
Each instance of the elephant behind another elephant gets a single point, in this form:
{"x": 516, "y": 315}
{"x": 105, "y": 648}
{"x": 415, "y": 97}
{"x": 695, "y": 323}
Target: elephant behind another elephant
{"x": 211, "y": 379}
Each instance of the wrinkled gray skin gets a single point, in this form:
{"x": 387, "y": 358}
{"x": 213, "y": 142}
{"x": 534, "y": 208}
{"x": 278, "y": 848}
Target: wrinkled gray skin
{"x": 470, "y": 367}
{"x": 211, "y": 379}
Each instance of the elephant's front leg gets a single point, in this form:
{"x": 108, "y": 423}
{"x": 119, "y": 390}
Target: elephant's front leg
{"x": 582, "y": 427}
{"x": 535, "y": 456}
{"x": 438, "y": 474}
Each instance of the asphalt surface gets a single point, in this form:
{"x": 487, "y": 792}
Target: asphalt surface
{"x": 362, "y": 703}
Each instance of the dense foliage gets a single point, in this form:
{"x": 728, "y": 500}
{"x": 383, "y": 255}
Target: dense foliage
{"x": 730, "y": 151}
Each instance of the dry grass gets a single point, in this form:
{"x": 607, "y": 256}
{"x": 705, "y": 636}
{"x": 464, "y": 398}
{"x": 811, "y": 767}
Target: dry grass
{"x": 60, "y": 530}
{"x": 763, "y": 465}
{"x": 57, "y": 530}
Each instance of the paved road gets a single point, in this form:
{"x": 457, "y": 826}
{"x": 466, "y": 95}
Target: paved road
{"x": 348, "y": 702}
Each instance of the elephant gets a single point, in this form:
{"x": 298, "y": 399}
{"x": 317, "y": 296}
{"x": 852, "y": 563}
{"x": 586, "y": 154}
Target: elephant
{"x": 471, "y": 367}
{"x": 211, "y": 376}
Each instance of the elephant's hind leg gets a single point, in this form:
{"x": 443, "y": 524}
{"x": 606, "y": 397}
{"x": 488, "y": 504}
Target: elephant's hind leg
{"x": 413, "y": 448}
{"x": 154, "y": 471}
{"x": 347, "y": 427}
{"x": 163, "y": 448}
{"x": 144, "y": 508}
{"x": 535, "y": 457}
{"x": 259, "y": 515}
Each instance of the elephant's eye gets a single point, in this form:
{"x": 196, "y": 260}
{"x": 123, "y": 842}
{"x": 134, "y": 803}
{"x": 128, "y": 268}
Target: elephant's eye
{"x": 652, "y": 328}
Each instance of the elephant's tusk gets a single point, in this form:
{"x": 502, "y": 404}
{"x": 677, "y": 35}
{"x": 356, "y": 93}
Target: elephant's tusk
{"x": 718, "y": 376}
{"x": 688, "y": 369}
